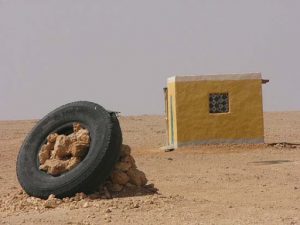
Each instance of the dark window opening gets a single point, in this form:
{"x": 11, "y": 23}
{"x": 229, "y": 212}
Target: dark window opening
{"x": 218, "y": 103}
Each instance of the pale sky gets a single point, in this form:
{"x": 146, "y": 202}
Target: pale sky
{"x": 120, "y": 53}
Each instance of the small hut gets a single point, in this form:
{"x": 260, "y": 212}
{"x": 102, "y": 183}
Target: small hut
{"x": 214, "y": 109}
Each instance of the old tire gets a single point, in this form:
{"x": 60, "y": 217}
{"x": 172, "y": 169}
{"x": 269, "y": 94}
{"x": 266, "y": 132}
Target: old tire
{"x": 106, "y": 141}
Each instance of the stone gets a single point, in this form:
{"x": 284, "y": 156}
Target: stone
{"x": 119, "y": 177}
{"x": 54, "y": 166}
{"x": 116, "y": 187}
{"x": 73, "y": 162}
{"x": 106, "y": 193}
{"x": 72, "y": 137}
{"x": 129, "y": 160}
{"x": 137, "y": 177}
{"x": 151, "y": 188}
{"x": 136, "y": 205}
{"x": 52, "y": 196}
{"x": 129, "y": 185}
{"x": 33, "y": 200}
{"x": 108, "y": 210}
{"x": 81, "y": 195}
{"x": 123, "y": 166}
{"x": 76, "y": 127}
{"x": 52, "y": 137}
{"x": 86, "y": 205}
{"x": 50, "y": 203}
{"x": 44, "y": 167}
{"x": 125, "y": 150}
{"x": 94, "y": 196}
{"x": 60, "y": 150}
{"x": 83, "y": 136}
{"x": 78, "y": 149}
{"x": 66, "y": 200}
{"x": 45, "y": 152}
{"x": 149, "y": 202}
{"x": 149, "y": 185}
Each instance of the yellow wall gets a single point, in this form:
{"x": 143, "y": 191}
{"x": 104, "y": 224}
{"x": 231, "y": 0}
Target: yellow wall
{"x": 194, "y": 123}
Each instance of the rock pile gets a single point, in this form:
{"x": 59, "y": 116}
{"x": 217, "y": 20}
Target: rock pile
{"x": 125, "y": 173}
{"x": 62, "y": 152}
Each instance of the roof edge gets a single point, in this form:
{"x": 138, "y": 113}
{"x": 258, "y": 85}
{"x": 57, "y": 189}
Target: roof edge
{"x": 237, "y": 76}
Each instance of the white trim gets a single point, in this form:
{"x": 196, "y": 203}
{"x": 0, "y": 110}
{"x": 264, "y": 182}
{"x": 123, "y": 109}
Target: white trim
{"x": 219, "y": 77}
{"x": 171, "y": 79}
{"x": 222, "y": 141}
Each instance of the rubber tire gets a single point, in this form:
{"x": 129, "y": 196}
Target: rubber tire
{"x": 106, "y": 141}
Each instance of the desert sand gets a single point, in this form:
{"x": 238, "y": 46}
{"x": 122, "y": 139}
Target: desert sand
{"x": 216, "y": 184}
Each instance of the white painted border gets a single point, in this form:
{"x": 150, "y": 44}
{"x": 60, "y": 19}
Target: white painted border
{"x": 220, "y": 77}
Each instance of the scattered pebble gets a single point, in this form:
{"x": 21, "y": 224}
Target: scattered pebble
{"x": 86, "y": 205}
{"x": 108, "y": 210}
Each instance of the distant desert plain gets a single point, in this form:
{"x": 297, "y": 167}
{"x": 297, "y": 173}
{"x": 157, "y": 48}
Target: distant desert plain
{"x": 209, "y": 184}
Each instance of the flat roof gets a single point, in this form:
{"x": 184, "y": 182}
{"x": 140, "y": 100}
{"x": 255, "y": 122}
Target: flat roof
{"x": 240, "y": 76}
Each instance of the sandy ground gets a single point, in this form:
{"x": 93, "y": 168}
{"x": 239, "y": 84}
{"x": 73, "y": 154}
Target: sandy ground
{"x": 233, "y": 184}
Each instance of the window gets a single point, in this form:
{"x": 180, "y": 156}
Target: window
{"x": 218, "y": 103}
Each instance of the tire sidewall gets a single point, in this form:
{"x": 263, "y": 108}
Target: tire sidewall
{"x": 38, "y": 183}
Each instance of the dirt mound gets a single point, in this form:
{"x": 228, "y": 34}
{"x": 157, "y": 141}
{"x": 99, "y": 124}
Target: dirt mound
{"x": 19, "y": 202}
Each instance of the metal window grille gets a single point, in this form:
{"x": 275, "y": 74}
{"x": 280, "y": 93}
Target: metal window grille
{"x": 218, "y": 103}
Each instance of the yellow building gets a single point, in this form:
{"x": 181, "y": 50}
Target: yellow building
{"x": 214, "y": 109}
